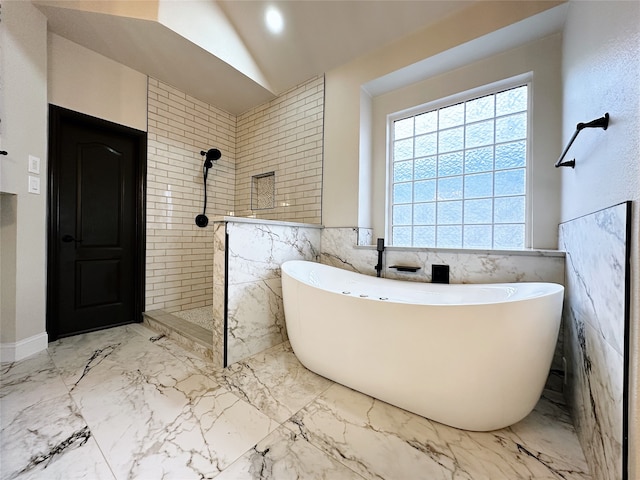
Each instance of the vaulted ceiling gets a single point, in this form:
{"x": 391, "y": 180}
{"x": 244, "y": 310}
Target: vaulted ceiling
{"x": 221, "y": 52}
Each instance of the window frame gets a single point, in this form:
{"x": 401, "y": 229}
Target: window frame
{"x": 467, "y": 95}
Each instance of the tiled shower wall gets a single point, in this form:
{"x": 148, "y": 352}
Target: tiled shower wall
{"x": 180, "y": 254}
{"x": 284, "y": 136}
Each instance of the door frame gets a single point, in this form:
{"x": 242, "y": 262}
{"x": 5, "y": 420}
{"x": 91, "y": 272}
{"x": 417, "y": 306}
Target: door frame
{"x": 58, "y": 116}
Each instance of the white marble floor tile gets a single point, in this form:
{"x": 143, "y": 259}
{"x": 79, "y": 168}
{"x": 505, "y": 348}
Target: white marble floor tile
{"x": 380, "y": 441}
{"x": 47, "y": 439}
{"x": 274, "y": 381}
{"x": 285, "y": 455}
{"x": 156, "y": 416}
{"x": 127, "y": 404}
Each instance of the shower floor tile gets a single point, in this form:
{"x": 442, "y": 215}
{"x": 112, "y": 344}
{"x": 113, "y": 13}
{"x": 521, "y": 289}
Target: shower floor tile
{"x": 126, "y": 403}
{"x": 202, "y": 316}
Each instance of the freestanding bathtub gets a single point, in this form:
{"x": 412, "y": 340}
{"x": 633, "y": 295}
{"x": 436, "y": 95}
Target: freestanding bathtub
{"x": 474, "y": 357}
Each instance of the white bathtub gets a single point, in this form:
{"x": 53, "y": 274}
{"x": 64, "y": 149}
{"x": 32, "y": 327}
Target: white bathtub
{"x": 475, "y": 357}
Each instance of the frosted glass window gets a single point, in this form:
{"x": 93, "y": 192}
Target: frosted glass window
{"x": 449, "y": 140}
{"x": 426, "y": 145}
{"x": 427, "y": 122}
{"x": 451, "y": 116}
{"x": 511, "y": 101}
{"x": 508, "y": 236}
{"x": 478, "y": 211}
{"x": 477, "y": 236}
{"x": 450, "y": 188}
{"x": 478, "y": 160}
{"x": 424, "y": 213}
{"x": 480, "y": 108}
{"x": 403, "y": 171}
{"x": 509, "y": 209}
{"x": 449, "y": 237}
{"x": 478, "y": 185}
{"x": 511, "y": 155}
{"x": 424, "y": 237}
{"x": 479, "y": 134}
{"x": 426, "y": 168}
{"x": 510, "y": 182}
{"x": 402, "y": 236}
{"x": 458, "y": 174}
{"x": 403, "y": 193}
{"x": 449, "y": 213}
{"x": 425, "y": 191}
{"x": 403, "y": 128}
{"x": 513, "y": 127}
{"x": 403, "y": 149}
{"x": 402, "y": 214}
{"x": 450, "y": 164}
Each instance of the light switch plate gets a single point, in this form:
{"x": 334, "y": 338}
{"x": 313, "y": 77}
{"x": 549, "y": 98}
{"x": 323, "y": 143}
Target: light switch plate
{"x": 34, "y": 164}
{"x": 34, "y": 185}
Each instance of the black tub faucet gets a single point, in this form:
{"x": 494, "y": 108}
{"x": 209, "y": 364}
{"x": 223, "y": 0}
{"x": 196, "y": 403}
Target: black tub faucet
{"x": 380, "y": 248}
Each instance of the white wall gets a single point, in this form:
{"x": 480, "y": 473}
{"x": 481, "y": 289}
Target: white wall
{"x": 89, "y": 83}
{"x": 342, "y": 94}
{"x": 23, "y": 36}
{"x": 601, "y": 72}
{"x": 542, "y": 58}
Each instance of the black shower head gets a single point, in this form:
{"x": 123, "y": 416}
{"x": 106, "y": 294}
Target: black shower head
{"x": 211, "y": 154}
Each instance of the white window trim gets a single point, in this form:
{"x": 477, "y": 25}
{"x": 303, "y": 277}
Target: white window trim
{"x": 491, "y": 88}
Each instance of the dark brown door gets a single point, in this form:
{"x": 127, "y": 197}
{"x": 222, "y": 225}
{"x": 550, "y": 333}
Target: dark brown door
{"x": 96, "y": 247}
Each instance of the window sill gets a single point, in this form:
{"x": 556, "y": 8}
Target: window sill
{"x": 530, "y": 252}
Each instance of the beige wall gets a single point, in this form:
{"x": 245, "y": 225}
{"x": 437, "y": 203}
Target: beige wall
{"x": 179, "y": 268}
{"x": 601, "y": 68}
{"x": 342, "y": 94}
{"x": 23, "y": 34}
{"x": 87, "y": 82}
{"x": 284, "y": 136}
{"x": 542, "y": 58}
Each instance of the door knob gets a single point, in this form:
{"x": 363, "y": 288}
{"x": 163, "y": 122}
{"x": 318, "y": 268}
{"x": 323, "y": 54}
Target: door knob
{"x": 69, "y": 238}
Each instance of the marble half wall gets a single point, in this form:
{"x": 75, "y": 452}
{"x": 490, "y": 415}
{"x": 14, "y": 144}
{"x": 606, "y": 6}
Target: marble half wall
{"x": 247, "y": 259}
{"x": 595, "y": 321}
{"x": 344, "y": 248}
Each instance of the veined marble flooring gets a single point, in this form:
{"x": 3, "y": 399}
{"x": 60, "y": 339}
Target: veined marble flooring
{"x": 127, "y": 403}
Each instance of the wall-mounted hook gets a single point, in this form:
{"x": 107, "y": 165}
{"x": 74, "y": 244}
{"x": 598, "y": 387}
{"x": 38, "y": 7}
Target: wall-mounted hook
{"x": 4, "y": 152}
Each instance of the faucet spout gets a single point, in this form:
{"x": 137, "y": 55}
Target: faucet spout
{"x": 380, "y": 248}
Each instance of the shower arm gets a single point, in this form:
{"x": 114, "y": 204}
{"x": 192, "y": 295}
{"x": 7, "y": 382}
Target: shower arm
{"x": 602, "y": 122}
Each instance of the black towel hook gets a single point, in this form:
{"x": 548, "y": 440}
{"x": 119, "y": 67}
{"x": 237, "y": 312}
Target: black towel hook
{"x": 602, "y": 122}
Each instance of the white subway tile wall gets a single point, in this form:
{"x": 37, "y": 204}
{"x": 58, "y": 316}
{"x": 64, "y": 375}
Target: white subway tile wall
{"x": 180, "y": 254}
{"x": 284, "y": 136}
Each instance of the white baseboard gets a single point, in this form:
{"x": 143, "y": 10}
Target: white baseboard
{"x": 12, "y": 352}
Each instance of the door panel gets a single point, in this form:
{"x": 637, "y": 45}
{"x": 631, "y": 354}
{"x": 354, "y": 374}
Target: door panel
{"x": 96, "y": 224}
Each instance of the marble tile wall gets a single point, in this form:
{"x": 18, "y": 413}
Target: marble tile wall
{"x": 594, "y": 322}
{"x": 339, "y": 249}
{"x": 255, "y": 313}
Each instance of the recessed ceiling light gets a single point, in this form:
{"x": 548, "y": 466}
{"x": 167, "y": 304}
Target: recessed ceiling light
{"x": 274, "y": 20}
